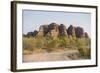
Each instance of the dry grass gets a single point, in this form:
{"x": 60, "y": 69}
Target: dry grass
{"x": 42, "y": 45}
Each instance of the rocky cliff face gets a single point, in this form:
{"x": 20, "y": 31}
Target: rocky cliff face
{"x": 55, "y": 30}
{"x": 71, "y": 30}
{"x": 29, "y": 34}
{"x": 62, "y": 30}
{"x": 79, "y": 32}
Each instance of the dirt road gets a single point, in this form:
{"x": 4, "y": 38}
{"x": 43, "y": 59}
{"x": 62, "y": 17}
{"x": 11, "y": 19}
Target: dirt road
{"x": 54, "y": 56}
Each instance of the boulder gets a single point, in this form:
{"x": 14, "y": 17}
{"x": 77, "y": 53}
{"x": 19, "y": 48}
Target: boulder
{"x": 32, "y": 34}
{"x": 53, "y": 26}
{"x": 62, "y": 30}
{"x": 71, "y": 30}
{"x": 79, "y": 32}
{"x": 43, "y": 30}
{"x": 55, "y": 30}
{"x": 86, "y": 35}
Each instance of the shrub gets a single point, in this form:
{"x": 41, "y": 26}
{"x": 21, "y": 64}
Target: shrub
{"x": 28, "y": 44}
{"x": 85, "y": 52}
{"x": 63, "y": 41}
{"x": 39, "y": 42}
{"x": 33, "y": 43}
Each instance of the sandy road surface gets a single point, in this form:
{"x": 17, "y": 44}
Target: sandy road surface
{"x": 54, "y": 56}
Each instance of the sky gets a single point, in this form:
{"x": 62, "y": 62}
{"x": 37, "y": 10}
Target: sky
{"x": 32, "y": 19}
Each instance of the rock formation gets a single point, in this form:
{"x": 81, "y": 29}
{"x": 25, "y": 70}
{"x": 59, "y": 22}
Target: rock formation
{"x": 79, "y": 32}
{"x": 54, "y": 30}
{"x": 31, "y": 33}
{"x": 71, "y": 30}
{"x": 86, "y": 35}
{"x": 62, "y": 30}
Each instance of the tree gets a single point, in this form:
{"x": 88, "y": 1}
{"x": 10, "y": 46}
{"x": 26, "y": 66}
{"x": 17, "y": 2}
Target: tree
{"x": 63, "y": 41}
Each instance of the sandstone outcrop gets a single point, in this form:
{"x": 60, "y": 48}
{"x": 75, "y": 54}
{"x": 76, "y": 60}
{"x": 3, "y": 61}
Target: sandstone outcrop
{"x": 55, "y": 30}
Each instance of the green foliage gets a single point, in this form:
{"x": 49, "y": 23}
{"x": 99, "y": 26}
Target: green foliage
{"x": 63, "y": 41}
{"x": 50, "y": 42}
{"x": 82, "y": 42}
{"x": 33, "y": 44}
{"x": 28, "y": 43}
{"x": 72, "y": 41}
{"x": 85, "y": 52}
{"x": 83, "y": 45}
{"x": 74, "y": 35}
{"x": 39, "y": 42}
{"x": 47, "y": 43}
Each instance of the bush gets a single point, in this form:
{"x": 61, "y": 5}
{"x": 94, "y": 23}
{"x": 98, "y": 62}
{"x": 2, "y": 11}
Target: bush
{"x": 47, "y": 43}
{"x": 83, "y": 42}
{"x": 33, "y": 43}
{"x": 63, "y": 41}
{"x": 85, "y": 52}
{"x": 39, "y": 42}
{"x": 28, "y": 44}
{"x": 83, "y": 45}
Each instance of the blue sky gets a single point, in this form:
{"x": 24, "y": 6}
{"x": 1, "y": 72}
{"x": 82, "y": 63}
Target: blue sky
{"x": 33, "y": 19}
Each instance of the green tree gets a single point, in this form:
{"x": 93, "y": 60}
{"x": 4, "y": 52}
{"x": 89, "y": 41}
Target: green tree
{"x": 63, "y": 41}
